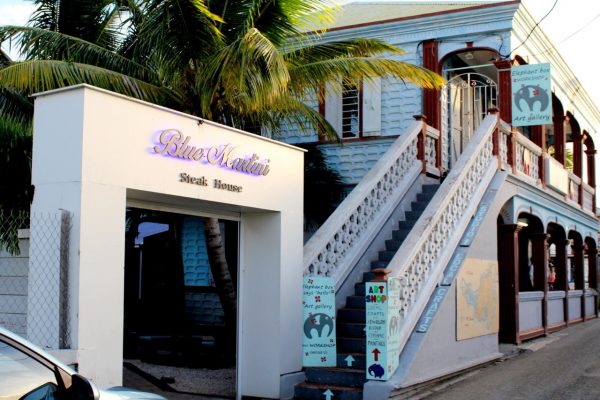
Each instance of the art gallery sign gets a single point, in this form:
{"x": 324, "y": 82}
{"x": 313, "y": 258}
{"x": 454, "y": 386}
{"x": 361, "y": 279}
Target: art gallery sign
{"x": 531, "y": 95}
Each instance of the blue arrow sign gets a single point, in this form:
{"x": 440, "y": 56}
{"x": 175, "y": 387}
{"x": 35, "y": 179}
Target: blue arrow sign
{"x": 349, "y": 360}
{"x": 328, "y": 394}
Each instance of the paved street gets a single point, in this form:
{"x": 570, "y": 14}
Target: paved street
{"x": 565, "y": 365}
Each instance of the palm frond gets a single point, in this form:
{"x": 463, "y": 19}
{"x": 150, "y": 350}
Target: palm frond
{"x": 44, "y": 44}
{"x": 318, "y": 73}
{"x": 42, "y": 75}
{"x": 323, "y": 51}
{"x": 16, "y": 106}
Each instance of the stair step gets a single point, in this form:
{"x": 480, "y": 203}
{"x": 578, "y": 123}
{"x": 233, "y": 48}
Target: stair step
{"x": 351, "y": 329}
{"x": 419, "y": 205}
{"x": 351, "y": 344}
{"x": 425, "y": 197}
{"x": 393, "y": 245}
{"x": 406, "y": 225}
{"x": 401, "y": 234}
{"x": 379, "y": 264}
{"x": 311, "y": 391}
{"x": 356, "y": 301}
{"x": 385, "y": 255}
{"x": 368, "y": 276}
{"x": 359, "y": 289}
{"x": 351, "y": 315}
{"x": 430, "y": 188}
{"x": 359, "y": 362}
{"x": 351, "y": 377}
{"x": 413, "y": 215}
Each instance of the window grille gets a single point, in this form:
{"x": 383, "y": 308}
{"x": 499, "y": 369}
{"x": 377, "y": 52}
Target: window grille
{"x": 350, "y": 110}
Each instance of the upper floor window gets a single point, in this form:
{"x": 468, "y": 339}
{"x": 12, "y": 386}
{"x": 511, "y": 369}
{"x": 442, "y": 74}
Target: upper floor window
{"x": 354, "y": 108}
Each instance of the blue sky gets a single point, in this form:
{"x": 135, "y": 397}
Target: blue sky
{"x": 573, "y": 26}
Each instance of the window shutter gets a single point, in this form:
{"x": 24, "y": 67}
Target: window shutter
{"x": 333, "y": 106}
{"x": 371, "y": 107}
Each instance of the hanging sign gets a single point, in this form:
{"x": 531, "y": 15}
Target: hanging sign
{"x": 319, "y": 345}
{"x": 531, "y": 95}
{"x": 382, "y": 328}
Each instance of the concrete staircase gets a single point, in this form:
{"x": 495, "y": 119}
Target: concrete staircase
{"x": 345, "y": 381}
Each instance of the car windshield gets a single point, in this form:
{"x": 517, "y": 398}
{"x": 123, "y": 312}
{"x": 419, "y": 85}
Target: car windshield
{"x": 23, "y": 377}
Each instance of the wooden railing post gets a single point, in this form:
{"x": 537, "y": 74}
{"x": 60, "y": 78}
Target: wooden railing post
{"x": 496, "y": 137}
{"x": 421, "y": 141}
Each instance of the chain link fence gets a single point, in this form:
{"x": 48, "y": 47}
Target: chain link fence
{"x": 14, "y": 270}
{"x": 34, "y": 279}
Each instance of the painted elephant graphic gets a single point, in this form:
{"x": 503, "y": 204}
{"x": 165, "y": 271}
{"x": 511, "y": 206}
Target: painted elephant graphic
{"x": 376, "y": 371}
{"x": 531, "y": 94}
{"x": 318, "y": 322}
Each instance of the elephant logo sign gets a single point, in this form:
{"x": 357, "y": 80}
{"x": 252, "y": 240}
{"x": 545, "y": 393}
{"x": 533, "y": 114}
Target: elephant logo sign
{"x": 376, "y": 371}
{"x": 530, "y": 95}
{"x": 317, "y": 323}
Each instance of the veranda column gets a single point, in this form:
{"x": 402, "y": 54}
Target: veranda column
{"x": 504, "y": 104}
{"x": 593, "y": 274}
{"x": 539, "y": 243}
{"x": 538, "y": 136}
{"x": 562, "y": 278}
{"x": 577, "y": 159}
{"x": 579, "y": 277}
{"x": 508, "y": 262}
{"x": 560, "y": 139}
{"x": 591, "y": 172}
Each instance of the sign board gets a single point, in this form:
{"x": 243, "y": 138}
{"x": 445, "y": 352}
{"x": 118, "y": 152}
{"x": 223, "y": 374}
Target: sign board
{"x": 382, "y": 328}
{"x": 531, "y": 95}
{"x": 319, "y": 344}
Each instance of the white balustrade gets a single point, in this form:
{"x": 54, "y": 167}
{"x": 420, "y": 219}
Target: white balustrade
{"x": 421, "y": 259}
{"x": 432, "y": 136}
{"x": 588, "y": 197}
{"x": 505, "y": 132}
{"x": 528, "y": 156}
{"x": 347, "y": 232}
{"x": 574, "y": 183}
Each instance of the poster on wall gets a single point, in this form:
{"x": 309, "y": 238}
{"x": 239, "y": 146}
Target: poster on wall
{"x": 477, "y": 306}
{"x": 318, "y": 330}
{"x": 382, "y": 328}
{"x": 531, "y": 95}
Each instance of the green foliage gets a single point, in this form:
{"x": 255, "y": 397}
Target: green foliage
{"x": 244, "y": 63}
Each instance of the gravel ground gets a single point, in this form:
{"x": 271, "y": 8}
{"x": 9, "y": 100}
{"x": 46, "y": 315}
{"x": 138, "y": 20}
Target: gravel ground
{"x": 219, "y": 382}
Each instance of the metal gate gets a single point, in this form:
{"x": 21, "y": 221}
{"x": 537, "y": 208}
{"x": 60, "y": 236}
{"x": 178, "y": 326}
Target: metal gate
{"x": 465, "y": 101}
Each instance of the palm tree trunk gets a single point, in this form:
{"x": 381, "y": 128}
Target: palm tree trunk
{"x": 220, "y": 270}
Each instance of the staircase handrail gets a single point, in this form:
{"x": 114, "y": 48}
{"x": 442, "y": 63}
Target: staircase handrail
{"x": 421, "y": 259}
{"x": 363, "y": 210}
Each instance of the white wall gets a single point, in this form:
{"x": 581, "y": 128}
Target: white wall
{"x": 93, "y": 152}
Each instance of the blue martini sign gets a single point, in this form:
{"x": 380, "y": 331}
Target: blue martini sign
{"x": 531, "y": 95}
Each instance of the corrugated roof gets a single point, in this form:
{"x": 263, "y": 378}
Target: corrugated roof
{"x": 359, "y": 13}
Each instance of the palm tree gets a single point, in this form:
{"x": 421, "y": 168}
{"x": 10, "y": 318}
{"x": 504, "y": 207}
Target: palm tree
{"x": 244, "y": 63}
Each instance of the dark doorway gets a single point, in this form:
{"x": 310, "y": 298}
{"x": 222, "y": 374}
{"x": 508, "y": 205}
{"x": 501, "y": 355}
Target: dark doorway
{"x": 173, "y": 314}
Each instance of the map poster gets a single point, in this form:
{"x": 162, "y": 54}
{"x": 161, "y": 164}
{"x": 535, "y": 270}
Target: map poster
{"x": 477, "y": 307}
{"x": 531, "y": 95}
{"x": 376, "y": 330}
{"x": 318, "y": 331}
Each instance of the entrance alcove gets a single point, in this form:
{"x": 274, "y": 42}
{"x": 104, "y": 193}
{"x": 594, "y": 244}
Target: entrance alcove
{"x": 96, "y": 155}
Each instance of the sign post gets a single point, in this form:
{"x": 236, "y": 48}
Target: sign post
{"x": 382, "y": 328}
{"x": 319, "y": 344}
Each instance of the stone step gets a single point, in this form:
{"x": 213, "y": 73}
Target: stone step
{"x": 348, "y": 377}
{"x": 379, "y": 264}
{"x": 425, "y": 197}
{"x": 359, "y": 288}
{"x": 393, "y": 245}
{"x": 418, "y": 205}
{"x": 413, "y": 215}
{"x": 351, "y": 344}
{"x": 356, "y": 301}
{"x": 430, "y": 188}
{"x": 351, "y": 329}
{"x": 351, "y": 315}
{"x": 385, "y": 255}
{"x": 312, "y": 391}
{"x": 406, "y": 225}
{"x": 368, "y": 276}
{"x": 401, "y": 234}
